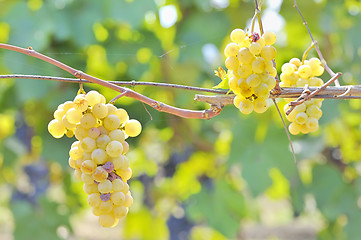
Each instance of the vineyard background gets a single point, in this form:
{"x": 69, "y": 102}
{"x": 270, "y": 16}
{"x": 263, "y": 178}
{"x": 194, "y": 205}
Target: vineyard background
{"x": 231, "y": 177}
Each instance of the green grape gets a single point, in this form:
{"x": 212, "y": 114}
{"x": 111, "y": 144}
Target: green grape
{"x": 102, "y": 141}
{"x": 90, "y": 188}
{"x": 301, "y": 82}
{"x": 312, "y": 124}
{"x": 58, "y": 114}
{"x": 261, "y": 91}
{"x": 96, "y": 211}
{"x": 120, "y": 211}
{"x": 125, "y": 188}
{"x": 67, "y": 124}
{"x": 295, "y": 61}
{"x": 246, "y": 106}
{"x": 315, "y": 81}
{"x": 268, "y": 53}
{"x": 122, "y": 115}
{"x": 128, "y": 200}
{"x": 117, "y": 185}
{"x": 94, "y": 200}
{"x": 255, "y": 48}
{"x": 81, "y": 103}
{"x": 125, "y": 147}
{"x": 67, "y": 105}
{"x": 111, "y": 122}
{"x": 88, "y": 167}
{"x": 80, "y": 132}
{"x": 231, "y": 50}
{"x": 76, "y": 153}
{"x": 237, "y": 100}
{"x": 232, "y": 63}
{"x": 288, "y": 68}
{"x": 244, "y": 70}
{"x": 253, "y": 80}
{"x": 72, "y": 163}
{"x": 117, "y": 198}
{"x": 289, "y": 79}
{"x": 300, "y": 108}
{"x": 114, "y": 149}
{"x": 87, "y": 178}
{"x": 107, "y": 220}
{"x": 245, "y": 56}
{"x": 56, "y": 128}
{"x": 301, "y": 118}
{"x": 94, "y": 133}
{"x": 259, "y": 65}
{"x": 304, "y": 71}
{"x": 269, "y": 38}
{"x": 294, "y": 128}
{"x": 111, "y": 108}
{"x": 93, "y": 97}
{"x": 100, "y": 110}
{"x": 316, "y": 66}
{"x": 132, "y": 128}
{"x": 117, "y": 161}
{"x": 99, "y": 156}
{"x": 77, "y": 174}
{"x": 314, "y": 111}
{"x": 125, "y": 174}
{"x": 106, "y": 207}
{"x": 117, "y": 135}
{"x": 260, "y": 105}
{"x": 100, "y": 174}
{"x": 245, "y": 90}
{"x": 105, "y": 186}
{"x": 88, "y": 121}
{"x": 233, "y": 84}
{"x": 88, "y": 144}
{"x": 238, "y": 35}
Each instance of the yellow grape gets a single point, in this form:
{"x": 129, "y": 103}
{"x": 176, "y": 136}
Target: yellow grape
{"x": 231, "y": 50}
{"x": 107, "y": 220}
{"x": 238, "y": 35}
{"x": 269, "y": 37}
{"x": 111, "y": 122}
{"x": 56, "y": 128}
{"x": 232, "y": 63}
{"x": 100, "y": 110}
{"x": 117, "y": 198}
{"x": 132, "y": 128}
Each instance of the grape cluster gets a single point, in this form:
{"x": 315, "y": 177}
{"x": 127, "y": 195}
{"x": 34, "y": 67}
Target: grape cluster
{"x": 249, "y": 60}
{"x": 98, "y": 156}
{"x": 304, "y": 117}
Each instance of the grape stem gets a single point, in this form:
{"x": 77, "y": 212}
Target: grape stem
{"x": 328, "y": 69}
{"x": 162, "y": 107}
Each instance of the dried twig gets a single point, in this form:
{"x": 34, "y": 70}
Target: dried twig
{"x": 185, "y": 113}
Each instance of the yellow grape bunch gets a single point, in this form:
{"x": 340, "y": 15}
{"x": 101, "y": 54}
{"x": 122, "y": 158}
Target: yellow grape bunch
{"x": 98, "y": 155}
{"x": 251, "y": 73}
{"x": 304, "y": 117}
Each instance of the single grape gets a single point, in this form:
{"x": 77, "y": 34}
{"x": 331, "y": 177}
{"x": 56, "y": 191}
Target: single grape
{"x": 67, "y": 124}
{"x": 297, "y": 62}
{"x": 100, "y": 174}
{"x": 301, "y": 118}
{"x": 120, "y": 211}
{"x": 90, "y": 188}
{"x": 117, "y": 135}
{"x": 88, "y": 121}
{"x": 260, "y": 105}
{"x": 76, "y": 153}
{"x": 253, "y": 80}
{"x": 77, "y": 174}
{"x": 102, "y": 141}
{"x": 288, "y": 68}
{"x": 94, "y": 132}
{"x": 117, "y": 198}
{"x": 316, "y": 66}
{"x": 94, "y": 200}
{"x": 255, "y": 48}
{"x": 88, "y": 167}
{"x": 125, "y": 174}
{"x": 125, "y": 147}
{"x": 294, "y": 128}
{"x": 268, "y": 53}
{"x": 244, "y": 70}
{"x": 99, "y": 156}
{"x": 88, "y": 144}
{"x": 246, "y": 106}
{"x": 107, "y": 220}
{"x": 312, "y": 124}
{"x": 111, "y": 122}
{"x": 81, "y": 103}
{"x": 245, "y": 56}
{"x": 67, "y": 105}
{"x": 93, "y": 97}
{"x": 259, "y": 65}
{"x": 80, "y": 132}
{"x": 304, "y": 71}
{"x": 232, "y": 63}
{"x": 128, "y": 200}
{"x": 106, "y": 207}
{"x": 56, "y": 128}
{"x": 237, "y": 35}
{"x": 100, "y": 110}
{"x": 105, "y": 187}
{"x": 118, "y": 162}
{"x": 58, "y": 114}
{"x": 122, "y": 115}
{"x": 269, "y": 37}
{"x": 111, "y": 108}
{"x": 114, "y": 149}
{"x": 231, "y": 50}
{"x": 117, "y": 185}
{"x": 132, "y": 128}
{"x": 87, "y": 178}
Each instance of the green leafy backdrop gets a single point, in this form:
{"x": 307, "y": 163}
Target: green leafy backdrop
{"x": 231, "y": 177}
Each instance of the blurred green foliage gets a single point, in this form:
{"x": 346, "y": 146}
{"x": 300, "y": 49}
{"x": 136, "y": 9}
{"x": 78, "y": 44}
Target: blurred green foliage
{"x": 192, "y": 179}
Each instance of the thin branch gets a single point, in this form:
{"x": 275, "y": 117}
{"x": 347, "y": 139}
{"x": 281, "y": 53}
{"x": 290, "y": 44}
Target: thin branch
{"x": 185, "y": 113}
{"x": 328, "y": 69}
{"x": 119, "y": 83}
